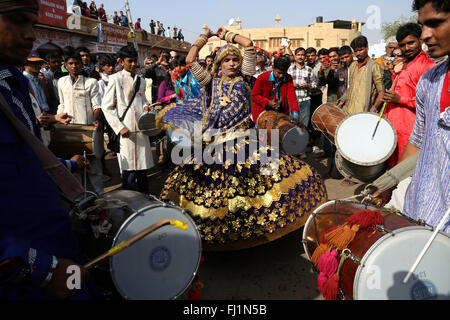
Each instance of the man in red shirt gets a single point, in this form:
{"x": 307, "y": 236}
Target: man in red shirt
{"x": 401, "y": 99}
{"x": 274, "y": 91}
{"x": 102, "y": 13}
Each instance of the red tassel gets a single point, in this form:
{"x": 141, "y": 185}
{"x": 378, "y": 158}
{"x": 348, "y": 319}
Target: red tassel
{"x": 341, "y": 237}
{"x": 195, "y": 291}
{"x": 320, "y": 250}
{"x": 366, "y": 218}
{"x": 321, "y": 281}
{"x": 328, "y": 263}
{"x": 330, "y": 288}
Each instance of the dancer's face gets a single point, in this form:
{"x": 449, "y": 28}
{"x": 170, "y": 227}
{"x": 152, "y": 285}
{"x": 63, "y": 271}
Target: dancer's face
{"x": 230, "y": 65}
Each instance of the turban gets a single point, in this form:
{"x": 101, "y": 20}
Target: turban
{"x": 7, "y": 6}
{"x": 222, "y": 53}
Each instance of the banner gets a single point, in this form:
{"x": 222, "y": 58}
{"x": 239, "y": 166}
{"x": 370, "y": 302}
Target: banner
{"x": 53, "y": 13}
{"x": 58, "y": 38}
{"x": 112, "y": 35}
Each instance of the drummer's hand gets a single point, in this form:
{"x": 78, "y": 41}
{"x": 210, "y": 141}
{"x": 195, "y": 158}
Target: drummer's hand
{"x": 382, "y": 198}
{"x": 298, "y": 123}
{"x": 44, "y": 120}
{"x": 221, "y": 33}
{"x": 341, "y": 104}
{"x": 146, "y": 109}
{"x": 63, "y": 118}
{"x": 57, "y": 287}
{"x": 272, "y": 104}
{"x": 125, "y": 133}
{"x": 391, "y": 97}
{"x": 81, "y": 162}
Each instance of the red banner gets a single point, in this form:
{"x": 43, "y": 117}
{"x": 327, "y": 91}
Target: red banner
{"x": 53, "y": 12}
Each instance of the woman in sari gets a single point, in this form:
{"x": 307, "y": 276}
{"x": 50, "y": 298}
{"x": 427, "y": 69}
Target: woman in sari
{"x": 237, "y": 202}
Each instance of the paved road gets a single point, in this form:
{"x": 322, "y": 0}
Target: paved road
{"x": 275, "y": 271}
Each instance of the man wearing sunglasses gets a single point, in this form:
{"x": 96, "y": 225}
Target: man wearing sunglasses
{"x": 401, "y": 98}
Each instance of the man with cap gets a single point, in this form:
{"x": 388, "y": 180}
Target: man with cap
{"x": 36, "y": 242}
{"x": 31, "y": 70}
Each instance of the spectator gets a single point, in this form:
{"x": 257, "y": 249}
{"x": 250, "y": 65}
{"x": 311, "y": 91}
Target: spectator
{"x": 87, "y": 12}
{"x": 88, "y": 66}
{"x": 169, "y": 32}
{"x": 79, "y": 4}
{"x": 328, "y": 75}
{"x": 116, "y": 18}
{"x": 158, "y": 26}
{"x": 93, "y": 10}
{"x": 346, "y": 56}
{"x": 102, "y": 13}
{"x": 158, "y": 72}
{"x": 175, "y": 33}
{"x": 31, "y": 71}
{"x": 123, "y": 20}
{"x": 161, "y": 31}
{"x": 152, "y": 26}
{"x": 180, "y": 35}
{"x": 137, "y": 25}
{"x": 55, "y": 61}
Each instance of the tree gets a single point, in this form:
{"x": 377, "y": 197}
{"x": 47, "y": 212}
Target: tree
{"x": 389, "y": 29}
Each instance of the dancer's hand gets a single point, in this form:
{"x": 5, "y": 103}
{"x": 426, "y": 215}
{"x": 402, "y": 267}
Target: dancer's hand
{"x": 221, "y": 33}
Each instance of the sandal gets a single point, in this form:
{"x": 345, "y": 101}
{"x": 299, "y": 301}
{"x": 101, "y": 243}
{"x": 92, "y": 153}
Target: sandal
{"x": 346, "y": 182}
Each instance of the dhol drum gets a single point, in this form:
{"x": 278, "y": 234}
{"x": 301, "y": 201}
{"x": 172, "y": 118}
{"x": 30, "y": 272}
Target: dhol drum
{"x": 293, "y": 139}
{"x": 358, "y": 156}
{"x": 160, "y": 266}
{"x": 381, "y": 258}
{"x": 327, "y": 118}
{"x": 69, "y": 140}
{"x": 147, "y": 124}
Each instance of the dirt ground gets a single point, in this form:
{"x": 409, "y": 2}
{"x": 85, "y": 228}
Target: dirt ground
{"x": 278, "y": 270}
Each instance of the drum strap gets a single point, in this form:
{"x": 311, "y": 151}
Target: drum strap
{"x": 66, "y": 182}
{"x": 136, "y": 89}
{"x": 369, "y": 80}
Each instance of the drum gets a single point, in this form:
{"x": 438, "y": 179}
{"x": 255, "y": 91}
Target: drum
{"x": 293, "y": 139}
{"x": 147, "y": 124}
{"x": 162, "y": 265}
{"x": 327, "y": 118}
{"x": 380, "y": 259}
{"x": 358, "y": 156}
{"x": 69, "y": 140}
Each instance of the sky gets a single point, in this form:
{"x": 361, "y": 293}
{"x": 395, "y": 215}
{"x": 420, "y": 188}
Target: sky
{"x": 192, "y": 15}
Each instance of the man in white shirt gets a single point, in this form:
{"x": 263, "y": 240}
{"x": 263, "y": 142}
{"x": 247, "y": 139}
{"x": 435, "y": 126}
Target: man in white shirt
{"x": 80, "y": 99}
{"x": 135, "y": 156}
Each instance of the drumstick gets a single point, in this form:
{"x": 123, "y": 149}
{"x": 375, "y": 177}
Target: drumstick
{"x": 85, "y": 188}
{"x": 382, "y": 110}
{"x": 427, "y": 246}
{"x": 127, "y": 243}
{"x": 379, "y": 120}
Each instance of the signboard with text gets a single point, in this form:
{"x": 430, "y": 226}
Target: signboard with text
{"x": 53, "y": 13}
{"x": 112, "y": 35}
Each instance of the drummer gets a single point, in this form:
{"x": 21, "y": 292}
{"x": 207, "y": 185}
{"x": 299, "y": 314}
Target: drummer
{"x": 79, "y": 97}
{"x": 274, "y": 91}
{"x": 427, "y": 196}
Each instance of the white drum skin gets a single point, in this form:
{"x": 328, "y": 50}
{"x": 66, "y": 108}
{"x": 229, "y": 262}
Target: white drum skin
{"x": 163, "y": 264}
{"x": 385, "y": 265}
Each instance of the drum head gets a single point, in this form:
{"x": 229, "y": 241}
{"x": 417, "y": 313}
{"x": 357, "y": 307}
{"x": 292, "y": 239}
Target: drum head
{"x": 388, "y": 261}
{"x": 354, "y": 139}
{"x": 162, "y": 265}
{"x": 147, "y": 123}
{"x": 295, "y": 141}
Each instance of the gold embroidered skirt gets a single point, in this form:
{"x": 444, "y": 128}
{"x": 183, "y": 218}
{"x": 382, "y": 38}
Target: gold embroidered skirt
{"x": 235, "y": 206}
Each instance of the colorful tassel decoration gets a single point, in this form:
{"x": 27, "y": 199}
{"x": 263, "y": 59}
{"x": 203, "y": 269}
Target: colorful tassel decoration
{"x": 195, "y": 291}
{"x": 328, "y": 263}
{"x": 322, "y": 238}
{"x": 320, "y": 250}
{"x": 330, "y": 288}
{"x": 366, "y": 218}
{"x": 321, "y": 281}
{"x": 341, "y": 237}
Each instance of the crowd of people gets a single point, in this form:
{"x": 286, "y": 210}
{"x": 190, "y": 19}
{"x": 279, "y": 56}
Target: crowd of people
{"x": 121, "y": 19}
{"x": 227, "y": 90}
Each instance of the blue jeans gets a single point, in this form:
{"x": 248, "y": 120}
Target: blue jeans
{"x": 305, "y": 109}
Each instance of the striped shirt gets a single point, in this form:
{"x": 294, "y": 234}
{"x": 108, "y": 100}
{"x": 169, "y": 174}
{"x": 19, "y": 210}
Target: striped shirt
{"x": 428, "y": 196}
{"x": 301, "y": 76}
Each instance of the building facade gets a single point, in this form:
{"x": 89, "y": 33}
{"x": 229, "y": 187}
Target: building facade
{"x": 318, "y": 35}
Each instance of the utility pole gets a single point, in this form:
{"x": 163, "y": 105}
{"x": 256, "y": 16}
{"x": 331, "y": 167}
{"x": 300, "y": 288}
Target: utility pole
{"x": 131, "y": 26}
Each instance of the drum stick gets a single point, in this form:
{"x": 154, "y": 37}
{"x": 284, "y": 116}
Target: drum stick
{"x": 427, "y": 246}
{"x": 127, "y": 243}
{"x": 382, "y": 110}
{"x": 379, "y": 120}
{"x": 85, "y": 180}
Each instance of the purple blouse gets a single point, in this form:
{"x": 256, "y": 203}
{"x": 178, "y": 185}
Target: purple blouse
{"x": 164, "y": 93}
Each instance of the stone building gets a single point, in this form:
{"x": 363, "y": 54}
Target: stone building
{"x": 319, "y": 35}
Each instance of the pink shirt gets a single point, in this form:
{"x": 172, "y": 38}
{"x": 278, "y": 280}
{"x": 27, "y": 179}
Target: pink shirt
{"x": 403, "y": 115}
